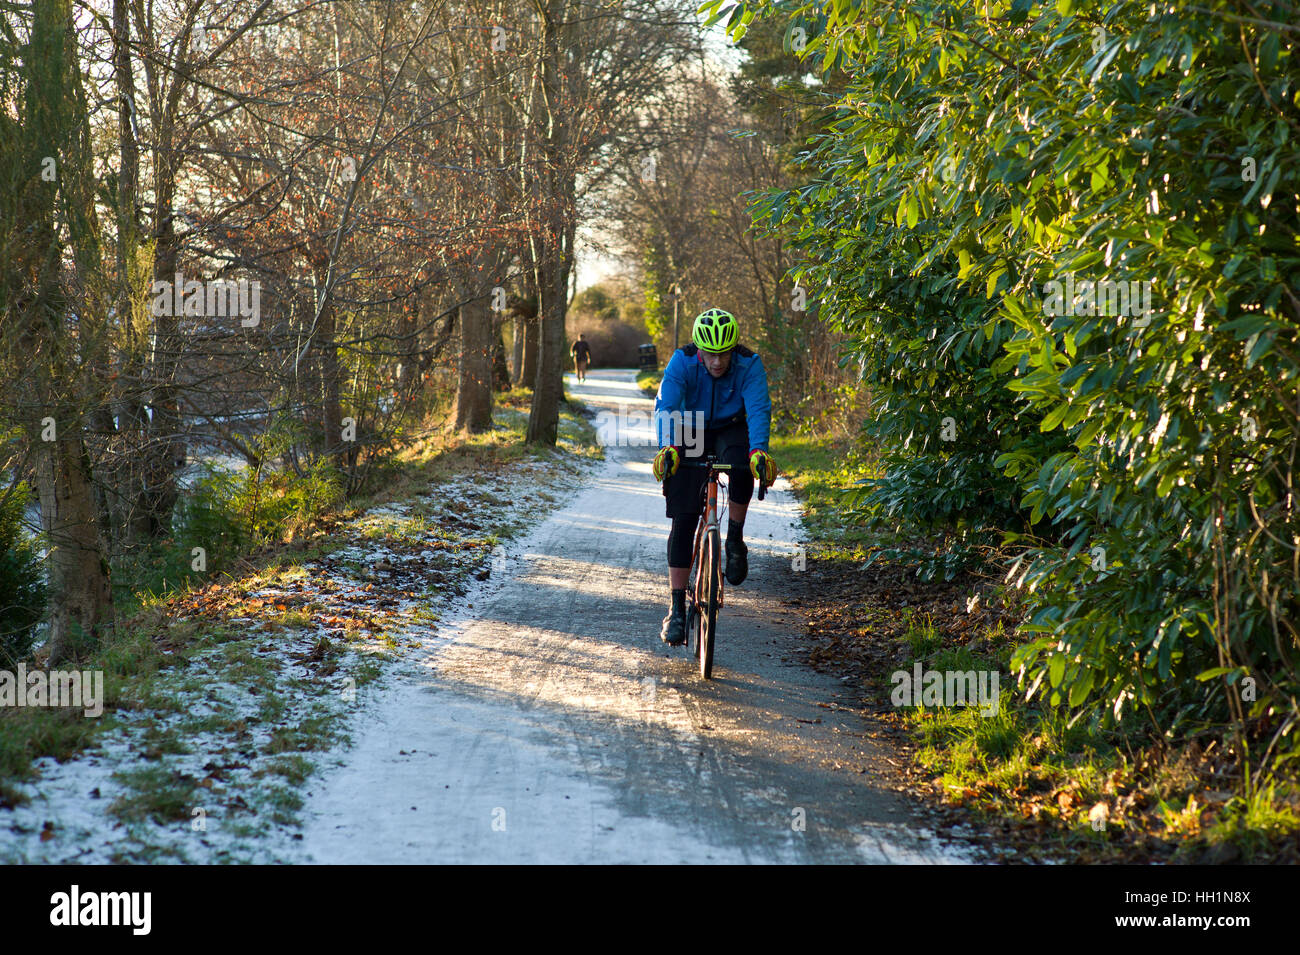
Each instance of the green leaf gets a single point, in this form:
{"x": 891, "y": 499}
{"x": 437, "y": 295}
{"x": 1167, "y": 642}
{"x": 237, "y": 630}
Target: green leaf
{"x": 963, "y": 263}
{"x": 1089, "y": 432}
{"x": 992, "y": 284}
{"x": 1268, "y": 51}
{"x": 1081, "y": 687}
{"x": 1054, "y": 417}
{"x": 1216, "y": 672}
{"x": 1165, "y": 484}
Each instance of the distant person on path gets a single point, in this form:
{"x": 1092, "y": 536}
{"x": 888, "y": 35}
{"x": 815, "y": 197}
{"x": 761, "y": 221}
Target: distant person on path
{"x": 581, "y": 353}
{"x": 723, "y": 386}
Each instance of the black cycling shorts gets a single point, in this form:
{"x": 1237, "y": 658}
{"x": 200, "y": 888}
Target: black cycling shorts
{"x": 684, "y": 491}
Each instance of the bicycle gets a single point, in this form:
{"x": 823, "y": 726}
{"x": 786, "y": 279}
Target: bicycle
{"x": 704, "y": 595}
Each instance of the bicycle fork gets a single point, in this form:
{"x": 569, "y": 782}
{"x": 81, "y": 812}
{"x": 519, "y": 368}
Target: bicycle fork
{"x": 709, "y": 520}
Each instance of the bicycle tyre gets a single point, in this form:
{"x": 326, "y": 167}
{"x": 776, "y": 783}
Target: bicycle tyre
{"x": 711, "y": 567}
{"x": 695, "y": 591}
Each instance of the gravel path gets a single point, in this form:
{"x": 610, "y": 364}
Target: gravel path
{"x": 547, "y": 723}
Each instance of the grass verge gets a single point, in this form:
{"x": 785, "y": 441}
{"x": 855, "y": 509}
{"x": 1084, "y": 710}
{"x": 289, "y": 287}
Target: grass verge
{"x": 648, "y": 380}
{"x": 240, "y": 677}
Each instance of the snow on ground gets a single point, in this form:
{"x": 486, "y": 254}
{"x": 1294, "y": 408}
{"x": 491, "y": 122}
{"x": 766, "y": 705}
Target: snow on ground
{"x": 223, "y": 745}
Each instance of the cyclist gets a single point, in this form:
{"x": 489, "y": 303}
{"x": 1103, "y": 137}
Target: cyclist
{"x": 723, "y": 385}
{"x": 581, "y": 353}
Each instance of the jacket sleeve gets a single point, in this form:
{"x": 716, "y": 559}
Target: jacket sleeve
{"x": 671, "y": 397}
{"x": 758, "y": 405}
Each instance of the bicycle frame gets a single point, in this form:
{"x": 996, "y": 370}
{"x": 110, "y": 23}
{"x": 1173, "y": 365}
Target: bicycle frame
{"x": 711, "y": 516}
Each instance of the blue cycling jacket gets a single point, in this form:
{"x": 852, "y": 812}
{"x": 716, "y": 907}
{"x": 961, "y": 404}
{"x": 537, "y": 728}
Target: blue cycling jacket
{"x": 687, "y": 387}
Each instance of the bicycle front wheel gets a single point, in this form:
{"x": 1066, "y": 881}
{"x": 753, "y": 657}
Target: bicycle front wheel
{"x": 711, "y": 567}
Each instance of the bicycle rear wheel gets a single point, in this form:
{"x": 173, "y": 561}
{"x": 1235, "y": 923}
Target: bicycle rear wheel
{"x": 711, "y": 568}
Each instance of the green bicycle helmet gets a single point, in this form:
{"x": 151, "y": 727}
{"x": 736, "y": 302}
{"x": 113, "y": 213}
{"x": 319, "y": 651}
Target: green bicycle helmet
{"x": 715, "y": 331}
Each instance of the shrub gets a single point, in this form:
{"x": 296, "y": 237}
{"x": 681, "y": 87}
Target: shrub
{"x": 22, "y": 580}
{"x": 975, "y": 161}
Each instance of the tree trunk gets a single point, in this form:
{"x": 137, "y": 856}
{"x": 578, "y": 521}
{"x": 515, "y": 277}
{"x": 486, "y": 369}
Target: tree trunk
{"x": 517, "y": 352}
{"x": 409, "y": 369}
{"x": 474, "y": 380}
{"x": 164, "y": 450}
{"x": 553, "y": 299}
{"x": 565, "y": 267}
{"x": 544, "y": 416}
{"x": 80, "y": 592}
{"x": 550, "y": 254}
{"x": 532, "y": 328}
{"x": 129, "y": 161}
{"x": 126, "y": 477}
{"x": 327, "y": 358}
{"x": 500, "y": 370}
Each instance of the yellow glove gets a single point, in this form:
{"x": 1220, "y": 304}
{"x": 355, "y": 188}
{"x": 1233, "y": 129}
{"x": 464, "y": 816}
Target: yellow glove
{"x": 665, "y": 463}
{"x": 762, "y": 467}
